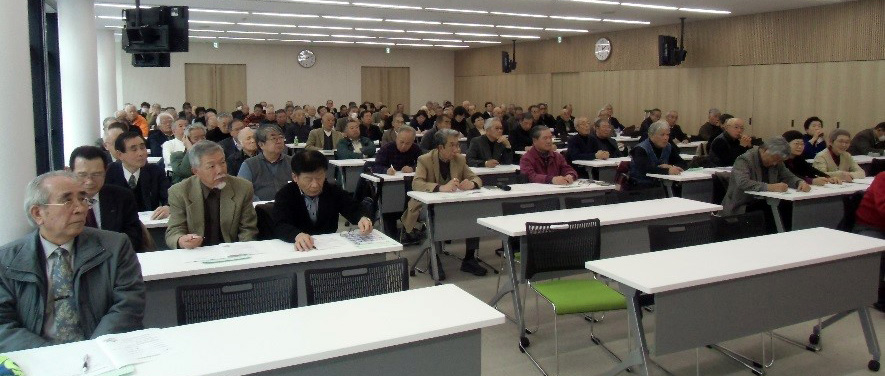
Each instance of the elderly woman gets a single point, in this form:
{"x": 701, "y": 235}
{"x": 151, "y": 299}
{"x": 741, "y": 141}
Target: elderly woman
{"x": 760, "y": 169}
{"x": 800, "y": 167}
{"x": 478, "y": 128}
{"x": 814, "y": 137}
{"x": 655, "y": 155}
{"x": 836, "y": 160}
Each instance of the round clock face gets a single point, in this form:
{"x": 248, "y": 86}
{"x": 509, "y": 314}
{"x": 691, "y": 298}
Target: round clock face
{"x": 306, "y": 58}
{"x": 603, "y": 49}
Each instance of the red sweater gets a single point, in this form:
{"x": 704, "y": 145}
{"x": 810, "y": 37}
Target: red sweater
{"x": 533, "y": 167}
{"x": 871, "y": 211}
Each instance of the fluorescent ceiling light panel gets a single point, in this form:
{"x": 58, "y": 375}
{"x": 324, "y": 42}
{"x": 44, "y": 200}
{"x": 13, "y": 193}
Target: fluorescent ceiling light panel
{"x": 306, "y": 34}
{"x": 414, "y": 22}
{"x": 114, "y": 27}
{"x": 239, "y": 38}
{"x": 198, "y": 10}
{"x": 443, "y": 40}
{"x": 468, "y": 24}
{"x": 477, "y": 34}
{"x": 210, "y": 22}
{"x": 392, "y": 38}
{"x": 650, "y": 6}
{"x": 110, "y": 17}
{"x": 252, "y": 32}
{"x": 482, "y": 41}
{"x": 457, "y": 10}
{"x": 200, "y": 37}
{"x": 124, "y": 6}
{"x": 696, "y": 10}
{"x": 293, "y": 15}
{"x": 329, "y": 2}
{"x": 386, "y": 6}
{"x": 567, "y": 30}
{"x": 295, "y": 40}
{"x": 349, "y": 18}
{"x": 597, "y": 2}
{"x": 264, "y": 24}
{"x": 450, "y": 46}
{"x": 377, "y": 43}
{"x": 352, "y": 36}
{"x": 206, "y": 30}
{"x": 572, "y": 18}
{"x": 333, "y": 41}
{"x": 380, "y": 30}
{"x": 414, "y": 44}
{"x": 627, "y": 21}
{"x": 521, "y": 36}
{"x": 429, "y": 32}
{"x": 520, "y": 27}
{"x": 519, "y": 14}
{"x": 325, "y": 27}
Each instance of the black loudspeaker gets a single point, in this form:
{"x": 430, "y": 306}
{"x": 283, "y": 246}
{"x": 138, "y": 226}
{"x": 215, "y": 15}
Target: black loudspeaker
{"x": 505, "y": 62}
{"x": 150, "y": 59}
{"x": 669, "y": 53}
{"x": 158, "y": 29}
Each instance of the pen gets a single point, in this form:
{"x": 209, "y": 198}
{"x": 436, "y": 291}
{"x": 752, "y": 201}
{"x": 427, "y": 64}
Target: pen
{"x": 85, "y": 363}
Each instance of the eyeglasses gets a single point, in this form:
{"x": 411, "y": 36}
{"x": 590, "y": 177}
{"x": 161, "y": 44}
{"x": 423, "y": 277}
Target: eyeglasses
{"x": 69, "y": 204}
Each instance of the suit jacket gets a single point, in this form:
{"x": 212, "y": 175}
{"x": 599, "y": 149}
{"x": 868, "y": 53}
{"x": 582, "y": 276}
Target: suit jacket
{"x": 108, "y": 288}
{"x": 229, "y": 147}
{"x": 865, "y": 142}
{"x": 155, "y": 140}
{"x": 237, "y": 215}
{"x": 427, "y": 175}
{"x": 345, "y": 149}
{"x": 824, "y": 161}
{"x": 152, "y": 189}
{"x": 747, "y": 176}
{"x": 119, "y": 213}
{"x": 480, "y": 151}
{"x": 290, "y": 216}
{"x": 315, "y": 139}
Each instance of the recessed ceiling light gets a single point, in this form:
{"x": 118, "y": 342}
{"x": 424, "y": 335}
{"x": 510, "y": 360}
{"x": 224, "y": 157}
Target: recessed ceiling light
{"x": 386, "y": 6}
{"x": 598, "y": 2}
{"x": 399, "y": 38}
{"x": 198, "y": 10}
{"x": 265, "y": 24}
{"x": 110, "y": 17}
{"x": 627, "y": 21}
{"x": 380, "y": 30}
{"x": 650, "y": 6}
{"x": 252, "y": 32}
{"x": 443, "y": 40}
{"x": 306, "y": 34}
{"x": 450, "y": 46}
{"x": 114, "y": 27}
{"x": 333, "y": 41}
{"x": 519, "y": 14}
{"x": 376, "y": 43}
{"x": 349, "y": 18}
{"x": 429, "y": 32}
{"x": 567, "y": 30}
{"x": 482, "y": 41}
{"x": 295, "y": 40}
{"x": 573, "y": 18}
{"x": 325, "y": 27}
{"x": 293, "y": 15}
{"x": 414, "y": 44}
{"x": 521, "y": 36}
{"x": 468, "y": 24}
{"x": 206, "y": 30}
{"x": 705, "y": 10}
{"x": 239, "y": 38}
{"x": 478, "y": 34}
{"x": 200, "y": 37}
{"x": 414, "y": 22}
{"x": 352, "y": 36}
{"x": 457, "y": 10}
{"x": 210, "y": 22}
{"x": 330, "y": 2}
{"x": 519, "y": 27}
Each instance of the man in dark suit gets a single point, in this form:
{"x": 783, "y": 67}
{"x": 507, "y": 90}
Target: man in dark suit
{"x": 161, "y": 134}
{"x": 310, "y": 206}
{"x": 653, "y": 116}
{"x": 146, "y": 180}
{"x": 492, "y": 149}
{"x": 231, "y": 145}
{"x": 113, "y": 208}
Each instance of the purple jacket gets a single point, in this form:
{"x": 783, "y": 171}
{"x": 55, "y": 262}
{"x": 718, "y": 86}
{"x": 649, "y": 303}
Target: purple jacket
{"x": 533, "y": 167}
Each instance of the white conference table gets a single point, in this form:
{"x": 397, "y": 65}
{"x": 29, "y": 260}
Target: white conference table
{"x": 624, "y": 231}
{"x": 386, "y": 334}
{"x": 629, "y": 142}
{"x": 165, "y": 271}
{"x": 154, "y": 159}
{"x": 821, "y": 207}
{"x": 349, "y": 170}
{"x": 157, "y": 227}
{"x": 696, "y": 185}
{"x": 715, "y": 292}
{"x": 301, "y": 145}
{"x": 691, "y": 148}
{"x": 453, "y": 215}
{"x": 606, "y": 168}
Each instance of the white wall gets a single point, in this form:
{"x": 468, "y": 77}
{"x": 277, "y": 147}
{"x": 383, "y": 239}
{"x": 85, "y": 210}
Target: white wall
{"x": 273, "y": 73}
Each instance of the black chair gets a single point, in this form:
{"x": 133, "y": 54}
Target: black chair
{"x": 739, "y": 226}
{"x": 513, "y": 208}
{"x": 583, "y": 202}
{"x": 264, "y": 213}
{"x": 215, "y": 301}
{"x": 661, "y": 237}
{"x": 639, "y": 194}
{"x": 351, "y": 282}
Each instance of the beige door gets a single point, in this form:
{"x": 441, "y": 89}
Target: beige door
{"x": 199, "y": 84}
{"x": 566, "y": 87}
{"x": 389, "y": 85}
{"x": 231, "y": 84}
{"x": 217, "y": 86}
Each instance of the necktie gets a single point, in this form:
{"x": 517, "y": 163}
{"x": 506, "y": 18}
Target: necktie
{"x": 67, "y": 319}
{"x": 132, "y": 182}
{"x": 90, "y": 218}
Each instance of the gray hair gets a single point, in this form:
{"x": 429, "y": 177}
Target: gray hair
{"x": 107, "y": 121}
{"x": 490, "y": 122}
{"x": 200, "y": 150}
{"x": 657, "y": 127}
{"x": 224, "y": 115}
{"x": 264, "y": 131}
{"x": 536, "y": 131}
{"x": 406, "y": 128}
{"x": 190, "y": 128}
{"x": 36, "y": 193}
{"x": 442, "y": 136}
{"x": 714, "y": 111}
{"x": 602, "y": 120}
{"x": 836, "y": 133}
{"x": 777, "y": 146}
{"x": 163, "y": 115}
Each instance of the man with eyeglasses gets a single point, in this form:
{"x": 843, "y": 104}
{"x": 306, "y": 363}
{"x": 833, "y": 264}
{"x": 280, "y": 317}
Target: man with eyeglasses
{"x": 65, "y": 282}
{"x": 113, "y": 208}
{"x": 270, "y": 170}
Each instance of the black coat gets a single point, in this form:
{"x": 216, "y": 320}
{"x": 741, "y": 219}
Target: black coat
{"x": 152, "y": 190}
{"x": 119, "y": 213}
{"x": 290, "y": 213}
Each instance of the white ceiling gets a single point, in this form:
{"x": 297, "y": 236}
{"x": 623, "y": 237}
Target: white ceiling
{"x": 502, "y": 15}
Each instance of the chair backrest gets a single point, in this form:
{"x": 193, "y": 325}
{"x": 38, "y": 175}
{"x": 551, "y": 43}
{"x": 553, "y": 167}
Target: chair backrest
{"x": 739, "y": 226}
{"x": 264, "y": 213}
{"x": 560, "y": 246}
{"x": 215, "y": 301}
{"x": 662, "y": 237}
{"x": 351, "y": 282}
{"x": 641, "y": 194}
{"x": 583, "y": 202}
{"x": 547, "y": 204}
{"x": 147, "y": 240}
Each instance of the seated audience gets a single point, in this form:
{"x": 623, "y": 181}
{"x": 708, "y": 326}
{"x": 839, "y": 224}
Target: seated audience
{"x": 115, "y": 129}
{"x": 136, "y": 119}
{"x": 256, "y": 117}
{"x": 442, "y": 122}
{"x": 391, "y": 130}
{"x": 299, "y": 128}
{"x": 800, "y": 167}
{"x": 869, "y": 221}
{"x": 676, "y": 133}
{"x": 836, "y": 160}
{"x": 477, "y": 127}
{"x": 345, "y": 116}
{"x": 210, "y": 207}
{"x": 368, "y": 128}
{"x": 545, "y": 118}
{"x": 49, "y": 297}
{"x": 353, "y": 145}
{"x": 729, "y": 145}
{"x": 870, "y": 140}
{"x": 587, "y": 145}
{"x": 814, "y": 137}
{"x": 655, "y": 155}
{"x": 401, "y": 155}
{"x": 542, "y": 163}
{"x": 310, "y": 206}
{"x": 270, "y": 170}
{"x": 147, "y": 181}
{"x": 711, "y": 129}
{"x": 460, "y": 119}
{"x": 760, "y": 169}
{"x": 181, "y": 169}
{"x": 157, "y": 137}
{"x": 616, "y": 125}
{"x": 325, "y": 137}
{"x": 565, "y": 122}
{"x": 521, "y": 136}
{"x": 175, "y": 144}
{"x": 232, "y": 145}
{"x": 221, "y": 131}
{"x": 248, "y": 149}
{"x": 492, "y": 148}
{"x": 653, "y": 116}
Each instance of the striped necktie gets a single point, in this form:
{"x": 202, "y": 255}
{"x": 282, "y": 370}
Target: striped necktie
{"x": 67, "y": 318}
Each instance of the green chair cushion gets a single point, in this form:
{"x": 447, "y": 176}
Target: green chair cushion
{"x": 571, "y": 296}
{"x": 517, "y": 256}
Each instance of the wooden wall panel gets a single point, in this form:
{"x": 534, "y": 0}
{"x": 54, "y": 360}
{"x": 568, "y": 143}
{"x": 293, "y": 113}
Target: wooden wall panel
{"x": 231, "y": 85}
{"x": 783, "y": 96}
{"x": 565, "y": 89}
{"x": 593, "y": 94}
{"x": 199, "y": 83}
{"x": 853, "y": 97}
{"x": 700, "y": 89}
{"x": 739, "y": 91}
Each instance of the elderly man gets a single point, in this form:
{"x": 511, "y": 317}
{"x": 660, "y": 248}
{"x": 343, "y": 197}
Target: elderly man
{"x": 545, "y": 117}
{"x": 146, "y": 180}
{"x": 760, "y": 169}
{"x": 396, "y": 122}
{"x": 354, "y": 145}
{"x": 310, "y": 206}
{"x": 725, "y": 148}
{"x": 653, "y": 116}
{"x": 400, "y": 155}
{"x": 655, "y": 155}
{"x": 299, "y": 129}
{"x": 326, "y": 137}
{"x": 616, "y": 125}
{"x": 442, "y": 122}
{"x": 310, "y": 115}
{"x": 114, "y": 130}
{"x": 521, "y": 136}
{"x": 587, "y": 145}
{"x": 210, "y": 207}
{"x": 565, "y": 122}
{"x": 352, "y": 113}
{"x": 270, "y": 170}
{"x": 542, "y": 163}
{"x": 176, "y": 144}
{"x": 249, "y": 149}
{"x": 368, "y": 127}
{"x": 232, "y": 145}
{"x": 443, "y": 169}
{"x": 181, "y": 169}
{"x": 113, "y": 208}
{"x": 64, "y": 282}
{"x": 136, "y": 119}
{"x": 157, "y": 137}
{"x": 676, "y": 133}
{"x": 711, "y": 129}
{"x": 490, "y": 149}
{"x": 870, "y": 140}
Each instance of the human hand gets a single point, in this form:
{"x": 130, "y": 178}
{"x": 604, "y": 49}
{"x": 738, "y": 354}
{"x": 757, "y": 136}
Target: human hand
{"x": 803, "y": 186}
{"x": 408, "y": 169}
{"x": 674, "y": 170}
{"x": 466, "y": 185}
{"x": 820, "y": 181}
{"x": 365, "y": 225}
{"x": 491, "y": 163}
{"x": 391, "y": 171}
{"x": 161, "y": 213}
{"x": 559, "y": 180}
{"x": 303, "y": 242}
{"x": 777, "y": 187}
{"x": 190, "y": 241}
{"x": 602, "y": 154}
